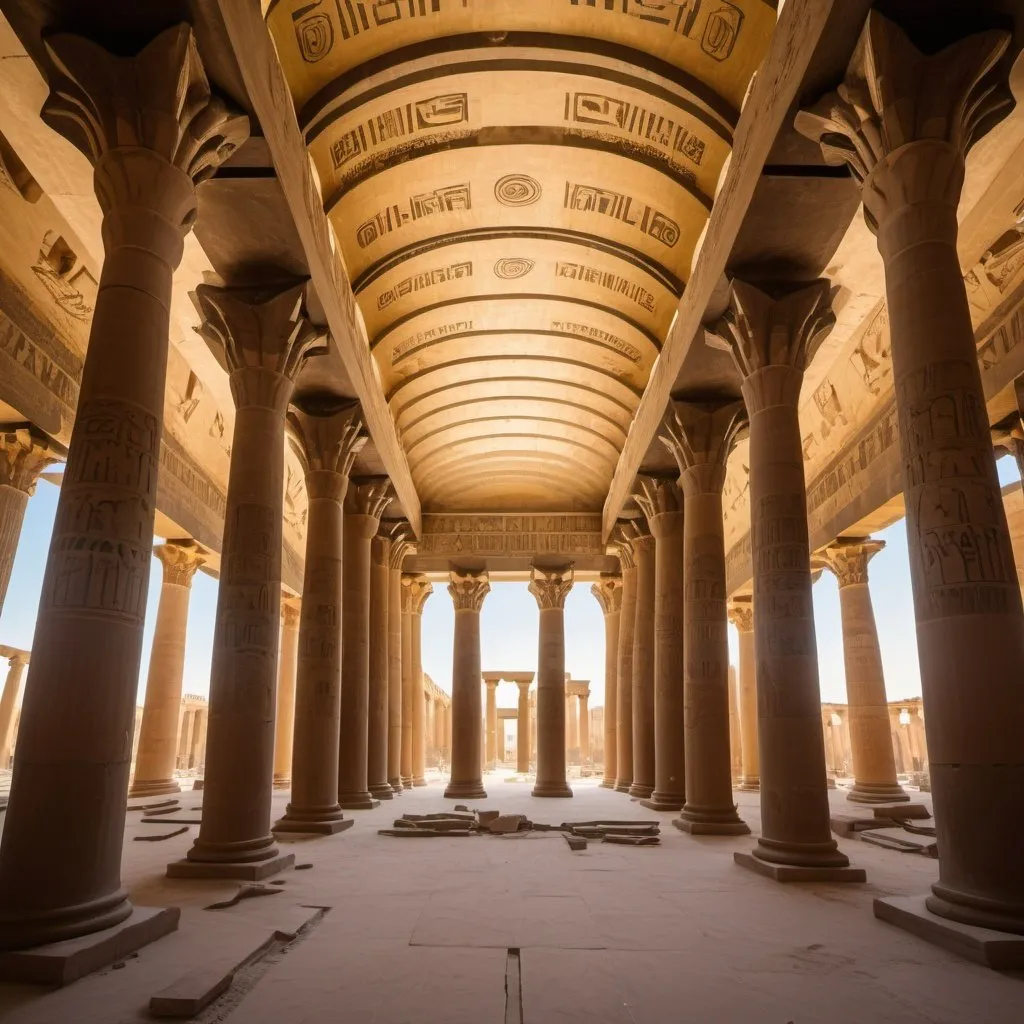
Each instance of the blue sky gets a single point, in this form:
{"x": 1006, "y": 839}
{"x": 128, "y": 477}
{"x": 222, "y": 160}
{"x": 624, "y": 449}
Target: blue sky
{"x": 509, "y": 618}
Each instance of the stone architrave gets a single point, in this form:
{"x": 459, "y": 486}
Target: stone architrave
{"x": 419, "y": 590}
{"x": 407, "y": 684}
{"x": 624, "y": 677}
{"x": 550, "y": 587}
{"x": 491, "y": 725}
{"x": 400, "y": 547}
{"x": 365, "y": 502}
{"x": 662, "y": 504}
{"x": 377, "y": 744}
{"x": 741, "y": 614}
{"x": 771, "y": 341}
{"x": 158, "y": 735}
{"x": 152, "y": 130}
{"x": 287, "y": 669}
{"x": 523, "y": 727}
{"x": 700, "y": 436}
{"x": 468, "y": 590}
{"x": 609, "y": 596}
{"x": 903, "y": 122}
{"x": 642, "y": 679}
{"x": 326, "y": 436}
{"x": 23, "y": 456}
{"x": 874, "y": 764}
{"x": 12, "y": 686}
{"x": 263, "y": 337}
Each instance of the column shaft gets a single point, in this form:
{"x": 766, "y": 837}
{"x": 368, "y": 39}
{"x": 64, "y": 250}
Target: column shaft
{"x": 12, "y": 686}
{"x": 643, "y": 669}
{"x": 609, "y": 594}
{"x": 751, "y": 778}
{"x": 523, "y": 730}
{"x": 491, "y": 726}
{"x": 418, "y": 707}
{"x": 624, "y": 684}
{"x": 395, "y": 672}
{"x": 584, "y": 727}
{"x": 377, "y": 749}
{"x": 284, "y": 729}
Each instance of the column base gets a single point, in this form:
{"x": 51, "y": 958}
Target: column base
{"x": 312, "y": 822}
{"x": 704, "y": 827}
{"x": 396, "y": 784}
{"x": 1002, "y": 951}
{"x": 665, "y": 802}
{"x": 606, "y": 784}
{"x": 282, "y": 781}
{"x": 382, "y": 792}
{"x": 153, "y": 787}
{"x": 357, "y": 801}
{"x": 419, "y": 782}
{"x": 472, "y": 790}
{"x": 60, "y": 963}
{"x": 975, "y": 911}
{"x": 551, "y": 789}
{"x": 797, "y": 873}
{"x": 641, "y": 790}
{"x": 246, "y": 871}
{"x": 406, "y": 782}
{"x": 623, "y": 787}
{"x": 868, "y": 793}
{"x": 750, "y": 785}
{"x": 830, "y": 783}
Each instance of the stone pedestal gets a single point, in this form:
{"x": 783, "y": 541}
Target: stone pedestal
{"x": 643, "y": 662}
{"x": 148, "y": 146}
{"x": 741, "y": 614}
{"x": 700, "y": 435}
{"x": 624, "y": 681}
{"x": 549, "y": 587}
{"x": 771, "y": 341}
{"x": 8, "y": 700}
{"x": 327, "y": 439}
{"x": 158, "y": 735}
{"x": 491, "y": 725}
{"x": 523, "y": 729}
{"x": 920, "y": 115}
{"x": 420, "y": 590}
{"x": 662, "y": 503}
{"x": 287, "y": 667}
{"x": 365, "y": 502}
{"x": 377, "y": 748}
{"x": 609, "y": 595}
{"x": 399, "y": 548}
{"x": 468, "y": 590}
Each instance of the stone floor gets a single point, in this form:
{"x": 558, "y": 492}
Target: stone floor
{"x": 420, "y": 932}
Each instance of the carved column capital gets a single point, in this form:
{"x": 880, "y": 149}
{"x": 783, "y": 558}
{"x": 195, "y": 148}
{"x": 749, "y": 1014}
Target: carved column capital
{"x": 418, "y": 588}
{"x": 402, "y": 544}
{"x": 640, "y": 537}
{"x": 608, "y": 592}
{"x": 369, "y": 496}
{"x": 741, "y": 614}
{"x": 847, "y": 558}
{"x": 23, "y": 456}
{"x": 261, "y": 336}
{"x": 700, "y": 436}
{"x": 468, "y": 589}
{"x": 491, "y": 684}
{"x": 150, "y": 127}
{"x": 661, "y": 502}
{"x": 327, "y": 440}
{"x": 291, "y": 610}
{"x": 181, "y": 560}
{"x": 18, "y": 660}
{"x": 620, "y": 545}
{"x": 551, "y": 586}
{"x": 903, "y": 121}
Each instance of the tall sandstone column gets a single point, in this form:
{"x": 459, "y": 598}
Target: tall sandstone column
{"x": 584, "y": 725}
{"x": 771, "y": 341}
{"x": 420, "y": 589}
{"x": 377, "y": 749}
{"x": 643, "y": 662}
{"x": 572, "y": 726}
{"x": 158, "y": 735}
{"x": 903, "y": 123}
{"x": 609, "y": 596}
{"x": 741, "y": 614}
{"x": 148, "y": 148}
{"x": 491, "y": 724}
{"x": 874, "y": 763}
{"x": 12, "y": 686}
{"x": 700, "y": 435}
{"x": 399, "y": 548}
{"x": 523, "y": 728}
{"x": 662, "y": 504}
{"x": 468, "y": 590}
{"x": 327, "y": 435}
{"x": 264, "y": 338}
{"x": 407, "y": 684}
{"x": 287, "y": 667}
{"x": 550, "y": 587}
{"x": 624, "y": 680}
{"x": 365, "y": 502}
{"x": 24, "y": 454}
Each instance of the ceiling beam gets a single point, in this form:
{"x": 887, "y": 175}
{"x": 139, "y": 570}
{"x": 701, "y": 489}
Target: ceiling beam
{"x": 271, "y": 101}
{"x": 774, "y": 88}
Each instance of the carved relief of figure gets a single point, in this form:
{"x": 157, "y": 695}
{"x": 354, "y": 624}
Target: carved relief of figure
{"x": 72, "y": 285}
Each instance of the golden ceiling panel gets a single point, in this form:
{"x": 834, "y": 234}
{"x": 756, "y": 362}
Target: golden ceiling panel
{"x": 517, "y": 189}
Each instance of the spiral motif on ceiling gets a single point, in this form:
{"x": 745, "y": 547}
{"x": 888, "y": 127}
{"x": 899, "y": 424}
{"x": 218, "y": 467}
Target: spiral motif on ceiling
{"x": 517, "y": 190}
{"x": 511, "y": 268}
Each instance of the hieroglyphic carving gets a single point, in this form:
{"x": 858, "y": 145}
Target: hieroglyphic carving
{"x": 314, "y": 29}
{"x": 872, "y": 358}
{"x": 411, "y": 344}
{"x": 446, "y": 199}
{"x": 498, "y": 535}
{"x": 623, "y": 208}
{"x": 426, "y": 279}
{"x": 511, "y": 268}
{"x": 605, "y": 279}
{"x": 70, "y": 284}
{"x": 608, "y": 340}
{"x": 517, "y": 190}
{"x": 830, "y": 408}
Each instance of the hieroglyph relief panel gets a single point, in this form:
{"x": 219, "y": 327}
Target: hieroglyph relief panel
{"x": 513, "y": 535}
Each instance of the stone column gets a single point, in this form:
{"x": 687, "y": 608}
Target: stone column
{"x": 662, "y": 504}
{"x": 584, "y": 726}
{"x": 287, "y": 667}
{"x": 188, "y": 723}
{"x": 735, "y": 745}
{"x": 643, "y": 662}
{"x": 399, "y": 548}
{"x": 377, "y": 748}
{"x": 326, "y": 436}
{"x": 24, "y": 454}
{"x": 12, "y": 686}
{"x": 609, "y": 596}
{"x": 448, "y": 734}
{"x": 572, "y": 730}
{"x": 491, "y": 724}
{"x": 700, "y": 435}
{"x": 365, "y": 502}
{"x": 771, "y": 341}
{"x": 874, "y": 764}
{"x": 904, "y": 131}
{"x": 429, "y": 756}
{"x": 148, "y": 147}
{"x": 468, "y": 590}
{"x": 407, "y": 684}
{"x": 523, "y": 729}
{"x": 741, "y": 614}
{"x": 200, "y": 743}
{"x": 549, "y": 587}
{"x": 624, "y": 676}
{"x": 264, "y": 338}
{"x": 420, "y": 589}
{"x": 158, "y": 735}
